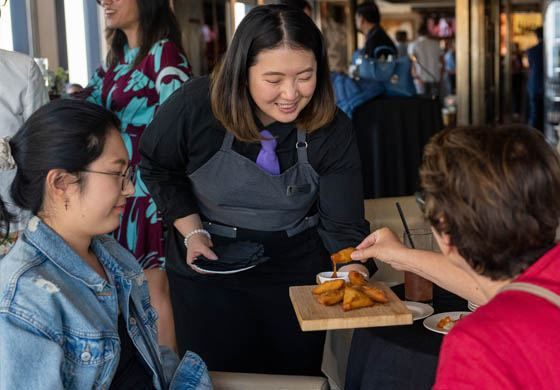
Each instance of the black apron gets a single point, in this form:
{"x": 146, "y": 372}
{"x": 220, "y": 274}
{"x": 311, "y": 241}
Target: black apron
{"x": 245, "y": 321}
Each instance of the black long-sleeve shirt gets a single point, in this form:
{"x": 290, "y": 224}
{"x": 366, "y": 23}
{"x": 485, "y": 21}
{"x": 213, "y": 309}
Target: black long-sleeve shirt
{"x": 185, "y": 134}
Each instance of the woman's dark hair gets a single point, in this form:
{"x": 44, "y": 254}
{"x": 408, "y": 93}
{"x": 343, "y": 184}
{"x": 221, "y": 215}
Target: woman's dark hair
{"x": 5, "y": 219}
{"x": 157, "y": 22}
{"x": 266, "y": 28}
{"x": 369, "y": 12}
{"x": 494, "y": 191}
{"x": 64, "y": 134}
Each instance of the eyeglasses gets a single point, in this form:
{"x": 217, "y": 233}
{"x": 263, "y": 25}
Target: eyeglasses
{"x": 129, "y": 176}
{"x": 420, "y": 198}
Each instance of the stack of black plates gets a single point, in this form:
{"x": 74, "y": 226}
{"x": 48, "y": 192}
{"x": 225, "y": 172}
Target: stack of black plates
{"x": 235, "y": 257}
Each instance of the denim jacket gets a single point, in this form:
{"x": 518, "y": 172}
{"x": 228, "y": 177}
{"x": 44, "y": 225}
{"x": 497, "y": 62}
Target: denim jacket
{"x": 58, "y": 318}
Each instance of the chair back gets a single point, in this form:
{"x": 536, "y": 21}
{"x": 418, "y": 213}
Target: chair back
{"x": 244, "y": 381}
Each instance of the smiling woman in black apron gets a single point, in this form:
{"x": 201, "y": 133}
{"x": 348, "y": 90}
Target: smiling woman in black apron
{"x": 255, "y": 163}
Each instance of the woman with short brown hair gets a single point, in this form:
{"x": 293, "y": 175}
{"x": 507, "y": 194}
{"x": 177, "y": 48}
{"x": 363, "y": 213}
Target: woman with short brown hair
{"x": 494, "y": 191}
{"x": 491, "y": 196}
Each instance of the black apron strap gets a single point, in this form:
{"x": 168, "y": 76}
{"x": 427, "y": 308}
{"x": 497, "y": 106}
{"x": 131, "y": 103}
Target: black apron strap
{"x": 301, "y": 146}
{"x": 228, "y": 141}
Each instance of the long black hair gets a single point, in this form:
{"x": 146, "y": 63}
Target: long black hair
{"x": 64, "y": 134}
{"x": 157, "y": 22}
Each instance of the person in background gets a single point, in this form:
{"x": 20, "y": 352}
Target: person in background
{"x": 22, "y": 91}
{"x": 256, "y": 159}
{"x": 367, "y": 22}
{"x": 302, "y": 5}
{"x": 427, "y": 69}
{"x": 450, "y": 67}
{"x": 145, "y": 65}
{"x": 535, "y": 82}
{"x": 490, "y": 195}
{"x": 401, "y": 43}
{"x": 76, "y": 312}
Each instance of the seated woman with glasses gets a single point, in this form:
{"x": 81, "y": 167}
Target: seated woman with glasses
{"x": 491, "y": 196}
{"x": 145, "y": 64}
{"x": 75, "y": 310}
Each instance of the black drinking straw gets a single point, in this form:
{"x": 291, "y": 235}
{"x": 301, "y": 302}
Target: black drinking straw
{"x": 405, "y": 225}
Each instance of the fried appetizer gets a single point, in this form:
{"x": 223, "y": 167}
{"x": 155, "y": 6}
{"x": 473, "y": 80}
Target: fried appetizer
{"x": 354, "y": 299}
{"x": 331, "y": 297}
{"x": 356, "y": 278}
{"x": 343, "y": 256}
{"x": 446, "y": 323}
{"x": 374, "y": 293}
{"x": 330, "y": 285}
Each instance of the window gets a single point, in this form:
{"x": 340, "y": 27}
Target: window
{"x": 6, "y": 37}
{"x": 241, "y": 10}
{"x": 76, "y": 41}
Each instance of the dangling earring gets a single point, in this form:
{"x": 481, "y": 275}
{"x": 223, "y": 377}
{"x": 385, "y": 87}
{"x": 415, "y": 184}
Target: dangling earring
{"x": 66, "y": 204}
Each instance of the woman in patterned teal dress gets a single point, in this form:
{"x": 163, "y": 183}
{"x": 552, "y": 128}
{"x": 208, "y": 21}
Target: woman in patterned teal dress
{"x": 145, "y": 65}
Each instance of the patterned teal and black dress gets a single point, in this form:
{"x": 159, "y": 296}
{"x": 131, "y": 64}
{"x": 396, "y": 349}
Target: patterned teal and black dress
{"x": 134, "y": 95}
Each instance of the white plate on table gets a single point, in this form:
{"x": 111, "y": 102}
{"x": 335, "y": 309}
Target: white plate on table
{"x": 431, "y": 322}
{"x": 419, "y": 310}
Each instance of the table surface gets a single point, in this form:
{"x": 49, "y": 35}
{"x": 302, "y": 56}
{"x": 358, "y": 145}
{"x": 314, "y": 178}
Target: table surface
{"x": 399, "y": 357}
{"x": 391, "y": 134}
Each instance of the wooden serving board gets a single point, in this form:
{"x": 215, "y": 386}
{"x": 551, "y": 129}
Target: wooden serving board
{"x": 314, "y": 316}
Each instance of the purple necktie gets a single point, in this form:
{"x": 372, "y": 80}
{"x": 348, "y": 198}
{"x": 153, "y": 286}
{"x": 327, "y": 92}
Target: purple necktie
{"x": 267, "y": 158}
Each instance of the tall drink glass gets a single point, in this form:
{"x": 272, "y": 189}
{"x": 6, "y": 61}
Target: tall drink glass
{"x": 416, "y": 288}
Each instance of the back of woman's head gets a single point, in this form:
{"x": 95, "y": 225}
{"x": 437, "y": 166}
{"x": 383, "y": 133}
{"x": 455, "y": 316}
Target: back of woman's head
{"x": 264, "y": 28}
{"x": 157, "y": 22}
{"x": 494, "y": 191}
{"x": 64, "y": 134}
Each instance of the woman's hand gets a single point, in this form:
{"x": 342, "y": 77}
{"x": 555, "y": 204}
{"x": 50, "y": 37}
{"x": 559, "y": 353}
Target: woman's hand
{"x": 199, "y": 244}
{"x": 384, "y": 245}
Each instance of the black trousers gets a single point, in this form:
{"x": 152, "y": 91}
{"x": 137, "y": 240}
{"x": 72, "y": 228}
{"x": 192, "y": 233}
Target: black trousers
{"x": 245, "y": 322}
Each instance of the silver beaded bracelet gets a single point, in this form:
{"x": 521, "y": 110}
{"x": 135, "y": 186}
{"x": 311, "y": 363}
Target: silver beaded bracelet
{"x": 196, "y": 231}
